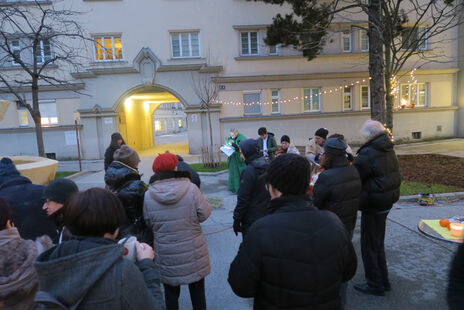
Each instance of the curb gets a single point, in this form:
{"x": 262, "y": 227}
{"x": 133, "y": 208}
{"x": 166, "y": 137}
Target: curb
{"x": 443, "y": 196}
{"x": 213, "y": 173}
{"x": 75, "y": 175}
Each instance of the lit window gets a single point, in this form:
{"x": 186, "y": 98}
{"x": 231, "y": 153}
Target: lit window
{"x": 347, "y": 98}
{"x": 274, "y": 50}
{"x": 415, "y": 38}
{"x": 44, "y": 51}
{"x": 157, "y": 125}
{"x": 179, "y": 122}
{"x": 365, "y": 98}
{"x": 311, "y": 99}
{"x": 364, "y": 40}
{"x": 108, "y": 48}
{"x": 16, "y": 51}
{"x": 252, "y": 103}
{"x": 23, "y": 118}
{"x": 184, "y": 45}
{"x": 48, "y": 113}
{"x": 275, "y": 96}
{"x": 413, "y": 95}
{"x": 249, "y": 43}
{"x": 346, "y": 41}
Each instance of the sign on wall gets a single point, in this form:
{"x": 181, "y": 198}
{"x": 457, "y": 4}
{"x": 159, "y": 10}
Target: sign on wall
{"x": 194, "y": 118}
{"x": 70, "y": 137}
{"x": 108, "y": 120}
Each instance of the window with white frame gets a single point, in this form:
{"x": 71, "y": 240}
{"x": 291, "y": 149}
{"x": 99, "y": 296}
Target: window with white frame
{"x": 44, "y": 51}
{"x": 346, "y": 41}
{"x": 363, "y": 40}
{"x": 249, "y": 43}
{"x": 252, "y": 103}
{"x": 365, "y": 97}
{"x": 108, "y": 48}
{"x": 413, "y": 95}
{"x": 48, "y": 113}
{"x": 275, "y": 97}
{"x": 311, "y": 100}
{"x": 15, "y": 48}
{"x": 347, "y": 96}
{"x": 22, "y": 115}
{"x": 185, "y": 44}
{"x": 415, "y": 38}
{"x": 274, "y": 50}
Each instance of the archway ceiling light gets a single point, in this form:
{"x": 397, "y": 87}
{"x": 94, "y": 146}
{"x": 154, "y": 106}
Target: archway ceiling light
{"x": 158, "y": 97}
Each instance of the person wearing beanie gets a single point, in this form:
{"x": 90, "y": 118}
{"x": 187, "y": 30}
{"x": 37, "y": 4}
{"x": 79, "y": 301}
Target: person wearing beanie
{"x": 235, "y": 161}
{"x": 286, "y": 147}
{"x": 116, "y": 142}
{"x": 123, "y": 179}
{"x": 26, "y": 201}
{"x": 349, "y": 151}
{"x": 338, "y": 188}
{"x": 173, "y": 209}
{"x": 267, "y": 143}
{"x": 297, "y": 255}
{"x": 314, "y": 148}
{"x": 56, "y": 194}
{"x": 252, "y": 196}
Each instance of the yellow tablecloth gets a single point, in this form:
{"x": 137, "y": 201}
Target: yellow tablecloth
{"x": 443, "y": 231}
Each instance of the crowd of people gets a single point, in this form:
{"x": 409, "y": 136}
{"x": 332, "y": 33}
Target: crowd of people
{"x": 68, "y": 249}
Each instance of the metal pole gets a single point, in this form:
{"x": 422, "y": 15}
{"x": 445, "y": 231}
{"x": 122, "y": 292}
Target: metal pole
{"x": 78, "y": 146}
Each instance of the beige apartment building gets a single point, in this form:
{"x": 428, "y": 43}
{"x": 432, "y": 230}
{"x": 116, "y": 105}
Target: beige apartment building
{"x": 147, "y": 54}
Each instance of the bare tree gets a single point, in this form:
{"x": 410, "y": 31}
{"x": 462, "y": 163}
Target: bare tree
{"x": 207, "y": 91}
{"x": 39, "y": 46}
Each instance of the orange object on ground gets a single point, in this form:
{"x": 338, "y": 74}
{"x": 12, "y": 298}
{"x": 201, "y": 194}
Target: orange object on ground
{"x": 444, "y": 222}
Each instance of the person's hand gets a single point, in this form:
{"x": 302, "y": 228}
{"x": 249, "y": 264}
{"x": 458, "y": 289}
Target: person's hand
{"x": 317, "y": 157}
{"x": 230, "y": 142}
{"x": 265, "y": 151}
{"x": 237, "y": 227}
{"x": 144, "y": 251}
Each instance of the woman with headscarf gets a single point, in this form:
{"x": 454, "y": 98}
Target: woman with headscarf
{"x": 235, "y": 162}
{"x": 116, "y": 142}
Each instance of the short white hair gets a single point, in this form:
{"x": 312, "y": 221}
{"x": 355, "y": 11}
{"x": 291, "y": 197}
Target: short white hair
{"x": 371, "y": 128}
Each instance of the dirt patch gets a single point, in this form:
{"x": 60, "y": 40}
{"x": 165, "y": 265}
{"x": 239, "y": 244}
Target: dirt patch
{"x": 432, "y": 169}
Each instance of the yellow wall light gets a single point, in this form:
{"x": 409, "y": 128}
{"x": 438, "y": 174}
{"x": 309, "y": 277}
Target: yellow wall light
{"x": 128, "y": 104}
{"x": 146, "y": 106}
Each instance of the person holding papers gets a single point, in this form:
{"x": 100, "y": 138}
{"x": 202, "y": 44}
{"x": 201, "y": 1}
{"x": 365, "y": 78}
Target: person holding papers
{"x": 234, "y": 161}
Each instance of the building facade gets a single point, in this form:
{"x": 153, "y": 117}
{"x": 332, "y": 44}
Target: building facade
{"x": 148, "y": 54}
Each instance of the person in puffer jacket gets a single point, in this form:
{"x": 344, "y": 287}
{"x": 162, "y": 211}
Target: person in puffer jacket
{"x": 174, "y": 208}
{"x": 123, "y": 179}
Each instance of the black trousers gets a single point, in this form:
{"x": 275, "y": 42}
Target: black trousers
{"x": 197, "y": 295}
{"x": 373, "y": 248}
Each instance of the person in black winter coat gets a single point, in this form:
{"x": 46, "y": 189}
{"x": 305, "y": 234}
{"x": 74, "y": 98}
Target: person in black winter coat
{"x": 123, "y": 178}
{"x": 379, "y": 171}
{"x": 338, "y": 187}
{"x": 456, "y": 281}
{"x": 116, "y": 142}
{"x": 26, "y": 201}
{"x": 297, "y": 256}
{"x": 252, "y": 196}
{"x": 183, "y": 166}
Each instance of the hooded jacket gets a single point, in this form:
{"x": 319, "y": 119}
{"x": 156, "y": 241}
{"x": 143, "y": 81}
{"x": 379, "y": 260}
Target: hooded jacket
{"x": 93, "y": 274}
{"x": 338, "y": 189}
{"x": 252, "y": 196}
{"x": 18, "y": 279}
{"x": 174, "y": 208}
{"x": 26, "y": 200}
{"x": 380, "y": 176}
{"x": 294, "y": 258}
{"x": 125, "y": 182}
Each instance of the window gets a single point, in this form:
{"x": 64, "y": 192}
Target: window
{"x": 275, "y": 97}
{"x": 108, "y": 48}
{"x": 365, "y": 97}
{"x": 44, "y": 51}
{"x": 249, "y": 43}
{"x": 415, "y": 38}
{"x": 347, "y": 98}
{"x": 346, "y": 41}
{"x": 413, "y": 95}
{"x": 16, "y": 51}
{"x": 179, "y": 122}
{"x": 23, "y": 117}
{"x": 185, "y": 45}
{"x": 157, "y": 125}
{"x": 274, "y": 50}
{"x": 252, "y": 103}
{"x": 364, "y": 40}
{"x": 48, "y": 113}
{"x": 311, "y": 100}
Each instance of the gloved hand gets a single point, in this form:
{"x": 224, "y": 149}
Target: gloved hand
{"x": 235, "y": 146}
{"x": 237, "y": 227}
{"x": 317, "y": 157}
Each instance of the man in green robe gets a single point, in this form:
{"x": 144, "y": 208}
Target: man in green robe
{"x": 235, "y": 162}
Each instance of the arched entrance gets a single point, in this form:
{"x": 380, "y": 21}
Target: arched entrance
{"x": 146, "y": 115}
